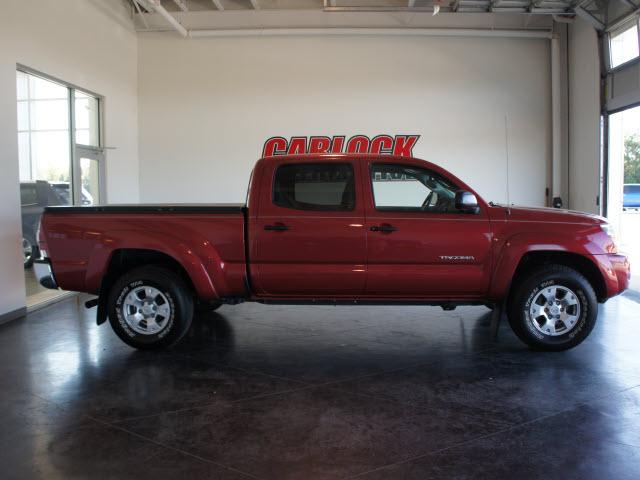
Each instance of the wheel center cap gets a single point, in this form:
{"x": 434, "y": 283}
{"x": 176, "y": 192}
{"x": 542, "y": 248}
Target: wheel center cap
{"x": 555, "y": 310}
{"x": 148, "y": 309}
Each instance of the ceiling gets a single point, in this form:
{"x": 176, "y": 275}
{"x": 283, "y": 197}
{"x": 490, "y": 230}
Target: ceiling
{"x": 602, "y": 14}
{"x": 523, "y": 6}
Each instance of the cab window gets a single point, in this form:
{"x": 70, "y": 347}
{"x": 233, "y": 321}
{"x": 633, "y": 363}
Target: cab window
{"x": 318, "y": 187}
{"x": 407, "y": 188}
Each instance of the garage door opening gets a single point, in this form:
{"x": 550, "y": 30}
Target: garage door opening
{"x": 623, "y": 186}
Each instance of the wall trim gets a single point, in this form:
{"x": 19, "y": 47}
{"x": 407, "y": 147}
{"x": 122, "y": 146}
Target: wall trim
{"x": 51, "y": 301}
{"x": 13, "y": 315}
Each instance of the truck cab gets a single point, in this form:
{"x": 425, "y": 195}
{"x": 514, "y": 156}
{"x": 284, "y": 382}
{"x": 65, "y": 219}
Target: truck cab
{"x": 369, "y": 227}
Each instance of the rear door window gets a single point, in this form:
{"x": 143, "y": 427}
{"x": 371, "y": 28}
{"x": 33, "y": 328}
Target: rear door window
{"x": 317, "y": 187}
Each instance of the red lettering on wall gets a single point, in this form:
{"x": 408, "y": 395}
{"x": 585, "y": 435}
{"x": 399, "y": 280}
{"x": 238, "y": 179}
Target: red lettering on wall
{"x": 358, "y": 144}
{"x": 382, "y": 144}
{"x": 319, "y": 144}
{"x": 297, "y": 146}
{"x": 337, "y": 144}
{"x": 401, "y": 145}
{"x": 274, "y": 146}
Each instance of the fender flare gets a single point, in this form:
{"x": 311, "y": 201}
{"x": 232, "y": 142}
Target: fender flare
{"x": 514, "y": 248}
{"x": 201, "y": 263}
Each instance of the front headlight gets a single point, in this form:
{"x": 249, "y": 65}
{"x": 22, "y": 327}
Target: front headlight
{"x": 611, "y": 232}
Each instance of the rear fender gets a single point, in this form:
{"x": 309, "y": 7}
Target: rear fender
{"x": 202, "y": 263}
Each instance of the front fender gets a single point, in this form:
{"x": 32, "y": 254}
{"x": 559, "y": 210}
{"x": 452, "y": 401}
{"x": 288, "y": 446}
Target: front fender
{"x": 511, "y": 250}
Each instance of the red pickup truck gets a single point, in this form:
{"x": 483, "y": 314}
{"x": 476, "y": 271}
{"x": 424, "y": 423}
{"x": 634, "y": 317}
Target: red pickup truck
{"x": 339, "y": 229}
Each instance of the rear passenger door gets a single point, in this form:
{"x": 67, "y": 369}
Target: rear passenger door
{"x": 309, "y": 233}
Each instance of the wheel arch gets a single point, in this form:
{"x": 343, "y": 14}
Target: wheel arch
{"x": 580, "y": 263}
{"x": 123, "y": 260}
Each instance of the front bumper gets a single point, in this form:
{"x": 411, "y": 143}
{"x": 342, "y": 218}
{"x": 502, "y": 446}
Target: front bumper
{"x": 44, "y": 273}
{"x": 616, "y": 271}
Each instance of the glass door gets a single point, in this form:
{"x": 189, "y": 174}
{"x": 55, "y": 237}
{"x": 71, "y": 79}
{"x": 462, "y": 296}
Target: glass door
{"x": 623, "y": 184}
{"x": 90, "y": 164}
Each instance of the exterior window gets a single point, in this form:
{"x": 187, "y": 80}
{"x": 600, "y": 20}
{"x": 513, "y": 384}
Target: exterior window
{"x": 28, "y": 194}
{"x": 624, "y": 46}
{"x": 53, "y": 143}
{"x": 87, "y": 118}
{"x": 399, "y": 188}
{"x": 319, "y": 187}
{"x": 43, "y": 129}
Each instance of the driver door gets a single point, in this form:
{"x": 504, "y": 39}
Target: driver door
{"x": 418, "y": 244}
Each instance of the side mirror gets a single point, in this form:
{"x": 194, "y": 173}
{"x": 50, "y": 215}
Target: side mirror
{"x": 466, "y": 202}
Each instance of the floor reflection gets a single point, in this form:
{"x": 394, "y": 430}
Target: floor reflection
{"x": 272, "y": 390}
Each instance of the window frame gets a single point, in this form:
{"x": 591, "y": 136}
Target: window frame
{"x": 618, "y": 31}
{"x": 399, "y": 209}
{"x": 321, "y": 208}
{"x": 75, "y": 174}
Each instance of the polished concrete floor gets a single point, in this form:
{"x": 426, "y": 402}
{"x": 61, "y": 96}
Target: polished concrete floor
{"x": 36, "y": 293}
{"x": 319, "y": 393}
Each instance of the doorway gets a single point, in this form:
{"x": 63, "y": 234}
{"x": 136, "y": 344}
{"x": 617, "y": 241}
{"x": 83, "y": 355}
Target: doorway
{"x": 61, "y": 159}
{"x": 623, "y": 184}
{"x": 90, "y": 177}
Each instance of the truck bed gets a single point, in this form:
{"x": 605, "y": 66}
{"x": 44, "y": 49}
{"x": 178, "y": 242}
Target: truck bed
{"x": 206, "y": 239}
{"x": 153, "y": 208}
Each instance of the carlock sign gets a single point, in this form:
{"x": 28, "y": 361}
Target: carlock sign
{"x": 386, "y": 144}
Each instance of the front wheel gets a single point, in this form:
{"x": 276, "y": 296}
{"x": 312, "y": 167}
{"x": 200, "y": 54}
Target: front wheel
{"x": 554, "y": 308}
{"x": 150, "y": 307}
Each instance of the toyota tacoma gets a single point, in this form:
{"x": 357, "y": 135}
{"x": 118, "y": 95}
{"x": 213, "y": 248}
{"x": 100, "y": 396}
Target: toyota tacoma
{"x": 338, "y": 229}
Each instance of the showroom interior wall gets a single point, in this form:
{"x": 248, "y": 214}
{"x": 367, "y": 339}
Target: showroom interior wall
{"x": 89, "y": 43}
{"x": 207, "y": 105}
{"x": 584, "y": 117}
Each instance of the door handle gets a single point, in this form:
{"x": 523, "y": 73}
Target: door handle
{"x": 384, "y": 228}
{"x": 278, "y": 227}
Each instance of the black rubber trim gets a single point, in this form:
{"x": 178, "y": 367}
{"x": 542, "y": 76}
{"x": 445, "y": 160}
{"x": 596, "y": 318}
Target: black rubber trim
{"x": 372, "y": 302}
{"x": 150, "y": 208}
{"x": 47, "y": 281}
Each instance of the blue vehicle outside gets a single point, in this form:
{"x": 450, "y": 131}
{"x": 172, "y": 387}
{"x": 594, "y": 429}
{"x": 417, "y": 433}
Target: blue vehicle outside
{"x": 631, "y": 198}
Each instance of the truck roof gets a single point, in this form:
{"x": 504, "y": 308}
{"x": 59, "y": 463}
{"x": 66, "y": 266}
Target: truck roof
{"x": 342, "y": 156}
{"x": 382, "y": 157}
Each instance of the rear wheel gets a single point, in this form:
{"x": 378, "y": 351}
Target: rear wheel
{"x": 150, "y": 307}
{"x": 554, "y": 308}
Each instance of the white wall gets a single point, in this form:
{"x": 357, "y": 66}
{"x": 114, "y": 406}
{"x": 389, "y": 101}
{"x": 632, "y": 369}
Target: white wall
{"x": 91, "y": 44}
{"x": 584, "y": 117}
{"x": 207, "y": 105}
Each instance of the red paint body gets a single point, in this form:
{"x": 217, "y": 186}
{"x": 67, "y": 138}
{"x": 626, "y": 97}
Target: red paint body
{"x": 333, "y": 255}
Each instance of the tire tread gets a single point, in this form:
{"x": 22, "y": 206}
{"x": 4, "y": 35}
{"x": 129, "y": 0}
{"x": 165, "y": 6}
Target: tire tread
{"x": 535, "y": 276}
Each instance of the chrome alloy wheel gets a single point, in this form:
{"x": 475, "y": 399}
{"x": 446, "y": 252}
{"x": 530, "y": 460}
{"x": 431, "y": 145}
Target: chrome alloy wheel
{"x": 146, "y": 310}
{"x": 555, "y": 310}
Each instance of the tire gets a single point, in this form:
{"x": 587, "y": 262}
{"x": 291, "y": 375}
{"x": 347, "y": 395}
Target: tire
{"x": 29, "y": 251}
{"x": 559, "y": 325}
{"x": 162, "y": 303}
